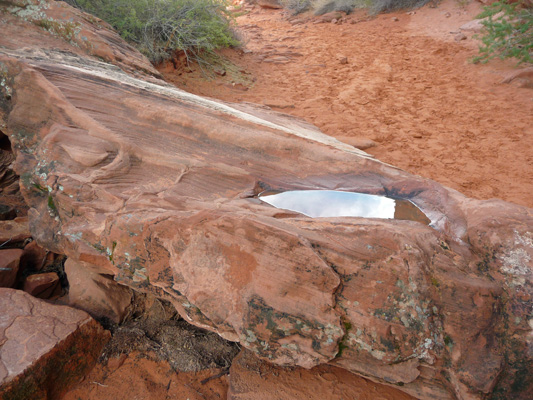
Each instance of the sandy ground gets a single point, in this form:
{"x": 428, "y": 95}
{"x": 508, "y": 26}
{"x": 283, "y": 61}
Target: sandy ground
{"x": 138, "y": 378}
{"x": 406, "y": 84}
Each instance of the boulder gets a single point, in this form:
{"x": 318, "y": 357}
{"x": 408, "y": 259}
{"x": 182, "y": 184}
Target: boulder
{"x": 97, "y": 294}
{"x": 159, "y": 188}
{"x": 9, "y": 266}
{"x": 253, "y": 379}
{"x": 44, "y": 349}
{"x": 272, "y": 4}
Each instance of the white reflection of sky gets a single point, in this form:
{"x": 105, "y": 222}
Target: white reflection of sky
{"x": 330, "y": 203}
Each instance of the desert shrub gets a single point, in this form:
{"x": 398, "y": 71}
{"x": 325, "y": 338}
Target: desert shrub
{"x": 296, "y": 6}
{"x": 160, "y": 27}
{"x": 507, "y": 32}
{"x": 326, "y": 6}
{"x": 374, "y": 6}
{"x": 380, "y": 6}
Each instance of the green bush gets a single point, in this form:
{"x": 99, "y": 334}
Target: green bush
{"x": 347, "y": 6}
{"x": 507, "y": 33}
{"x": 160, "y": 27}
{"x": 379, "y": 6}
{"x": 296, "y": 6}
{"x": 375, "y": 6}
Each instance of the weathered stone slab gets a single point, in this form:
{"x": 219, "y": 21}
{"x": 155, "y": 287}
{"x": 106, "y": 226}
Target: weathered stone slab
{"x": 44, "y": 349}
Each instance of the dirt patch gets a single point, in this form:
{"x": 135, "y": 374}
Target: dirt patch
{"x": 401, "y": 80}
{"x": 139, "y": 376}
{"x": 154, "y": 327}
{"x": 154, "y": 354}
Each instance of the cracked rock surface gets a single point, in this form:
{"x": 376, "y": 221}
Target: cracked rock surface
{"x": 44, "y": 348}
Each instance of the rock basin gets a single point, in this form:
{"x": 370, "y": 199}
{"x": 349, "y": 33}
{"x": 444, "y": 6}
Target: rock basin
{"x": 334, "y": 203}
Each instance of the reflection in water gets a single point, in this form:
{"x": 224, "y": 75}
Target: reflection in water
{"x": 331, "y": 203}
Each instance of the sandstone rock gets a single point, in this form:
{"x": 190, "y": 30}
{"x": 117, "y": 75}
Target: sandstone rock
{"x": 35, "y": 257}
{"x": 9, "y": 266}
{"x": 97, "y": 294}
{"x": 272, "y": 4}
{"x": 522, "y": 77}
{"x": 44, "y": 349}
{"x": 14, "y": 231}
{"x": 472, "y": 26}
{"x": 358, "y": 142}
{"x": 460, "y": 36}
{"x": 329, "y": 17}
{"x": 280, "y": 104}
{"x": 252, "y": 379}
{"x": 476, "y": 25}
{"x": 91, "y": 35}
{"x": 43, "y": 286}
{"x": 12, "y": 201}
{"x": 159, "y": 187}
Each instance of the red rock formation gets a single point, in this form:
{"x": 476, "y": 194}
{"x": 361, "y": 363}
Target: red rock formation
{"x": 44, "y": 349}
{"x": 97, "y": 294}
{"x": 158, "y": 188}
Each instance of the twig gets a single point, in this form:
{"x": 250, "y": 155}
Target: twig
{"x": 190, "y": 387}
{"x": 99, "y": 384}
{"x": 222, "y": 373}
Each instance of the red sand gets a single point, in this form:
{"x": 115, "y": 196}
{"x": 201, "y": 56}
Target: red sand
{"x": 407, "y": 84}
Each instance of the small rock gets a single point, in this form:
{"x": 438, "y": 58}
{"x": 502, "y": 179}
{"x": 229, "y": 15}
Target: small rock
{"x": 360, "y": 143}
{"x": 343, "y": 60}
{"x": 395, "y": 19}
{"x": 9, "y": 266}
{"x": 271, "y": 4}
{"x": 522, "y": 78}
{"x": 278, "y": 104}
{"x": 447, "y": 15}
{"x": 460, "y": 36}
{"x": 220, "y": 72}
{"x": 13, "y": 231}
{"x": 329, "y": 17}
{"x": 334, "y": 21}
{"x": 43, "y": 286}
